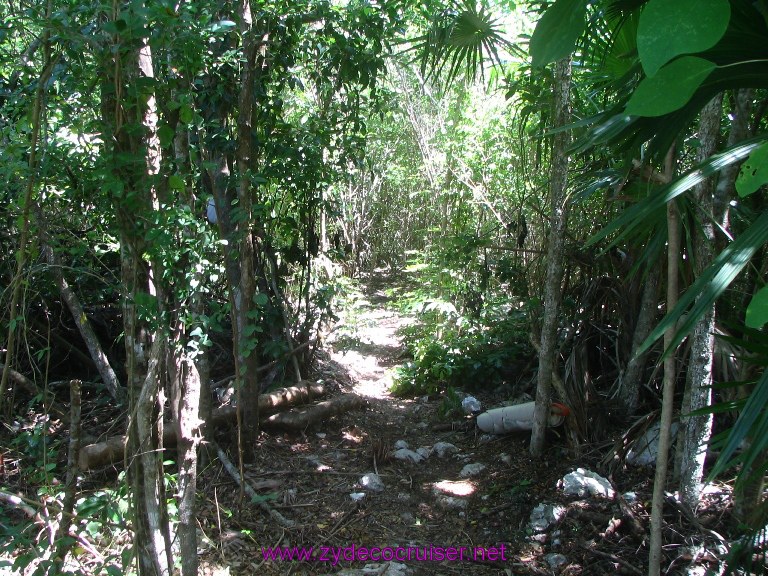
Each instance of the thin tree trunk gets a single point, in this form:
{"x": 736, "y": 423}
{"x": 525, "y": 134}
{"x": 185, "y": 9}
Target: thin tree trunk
{"x": 190, "y": 403}
{"x": 63, "y": 541}
{"x": 553, "y": 285}
{"x": 695, "y": 431}
{"x": 670, "y": 373}
{"x": 632, "y": 375}
{"x": 243, "y": 293}
{"x": 130, "y": 125}
{"x": 740, "y": 131}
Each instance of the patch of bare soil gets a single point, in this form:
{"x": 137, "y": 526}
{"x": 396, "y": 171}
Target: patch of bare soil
{"x": 427, "y": 518}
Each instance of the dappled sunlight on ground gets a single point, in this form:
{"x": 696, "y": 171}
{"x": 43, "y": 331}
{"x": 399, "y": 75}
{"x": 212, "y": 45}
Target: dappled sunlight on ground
{"x": 366, "y": 343}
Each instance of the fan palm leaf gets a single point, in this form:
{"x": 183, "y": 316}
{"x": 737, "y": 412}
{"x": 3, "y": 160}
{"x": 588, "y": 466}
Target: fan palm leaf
{"x": 461, "y": 40}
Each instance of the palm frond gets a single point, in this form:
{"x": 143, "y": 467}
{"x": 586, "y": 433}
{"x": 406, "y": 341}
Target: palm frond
{"x": 635, "y": 215}
{"x": 708, "y": 287}
{"x": 461, "y": 40}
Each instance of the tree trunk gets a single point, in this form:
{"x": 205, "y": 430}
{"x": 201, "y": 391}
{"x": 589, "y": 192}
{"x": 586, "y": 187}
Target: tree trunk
{"x": 631, "y": 376}
{"x": 552, "y": 288}
{"x": 740, "y": 131}
{"x": 670, "y": 374}
{"x": 130, "y": 134}
{"x": 243, "y": 293}
{"x": 695, "y": 431}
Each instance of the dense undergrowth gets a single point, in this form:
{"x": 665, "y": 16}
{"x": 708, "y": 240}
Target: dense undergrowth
{"x": 464, "y": 337}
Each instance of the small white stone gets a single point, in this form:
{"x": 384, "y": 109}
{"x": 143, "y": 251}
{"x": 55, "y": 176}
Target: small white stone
{"x": 443, "y": 449}
{"x": 407, "y": 455}
{"x": 583, "y": 482}
{"x": 555, "y": 560}
{"x": 471, "y": 470}
{"x": 372, "y": 482}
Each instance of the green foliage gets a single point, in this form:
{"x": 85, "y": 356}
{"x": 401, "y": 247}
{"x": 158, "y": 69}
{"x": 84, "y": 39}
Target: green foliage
{"x": 557, "y": 31}
{"x": 757, "y": 310}
{"x": 670, "y": 88}
{"x": 40, "y": 448}
{"x": 459, "y": 40}
{"x": 754, "y": 172}
{"x": 99, "y": 516}
{"x": 454, "y": 351}
{"x": 669, "y": 29}
{"x": 450, "y": 407}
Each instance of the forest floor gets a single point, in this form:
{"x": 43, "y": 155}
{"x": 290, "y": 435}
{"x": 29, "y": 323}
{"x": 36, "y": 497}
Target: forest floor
{"x": 464, "y": 508}
{"x": 451, "y": 523}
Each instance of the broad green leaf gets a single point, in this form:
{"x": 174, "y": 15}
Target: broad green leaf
{"x": 176, "y": 182}
{"x": 671, "y": 88}
{"x": 166, "y": 135}
{"x": 754, "y": 172}
{"x": 557, "y": 31}
{"x": 186, "y": 114}
{"x": 669, "y": 29}
{"x": 757, "y": 311}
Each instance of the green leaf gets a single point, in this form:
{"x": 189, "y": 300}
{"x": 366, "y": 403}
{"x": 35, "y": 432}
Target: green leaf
{"x": 186, "y": 114}
{"x": 260, "y": 299}
{"x": 669, "y": 29}
{"x": 757, "y": 311}
{"x": 751, "y": 424}
{"x": 557, "y": 31}
{"x": 176, "y": 182}
{"x": 671, "y": 88}
{"x": 754, "y": 172}
{"x": 166, "y": 135}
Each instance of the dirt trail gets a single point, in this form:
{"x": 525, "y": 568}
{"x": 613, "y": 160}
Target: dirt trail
{"x": 365, "y": 342}
{"x": 449, "y": 520}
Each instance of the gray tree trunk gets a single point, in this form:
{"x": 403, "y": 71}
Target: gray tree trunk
{"x": 695, "y": 431}
{"x": 558, "y": 182}
{"x": 243, "y": 293}
{"x": 630, "y": 378}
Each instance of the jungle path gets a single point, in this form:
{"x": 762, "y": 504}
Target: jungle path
{"x": 451, "y": 521}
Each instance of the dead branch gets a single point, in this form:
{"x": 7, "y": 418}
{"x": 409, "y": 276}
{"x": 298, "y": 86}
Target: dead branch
{"x": 255, "y": 499}
{"x": 21, "y": 380}
{"x": 271, "y": 364}
{"x": 615, "y": 559}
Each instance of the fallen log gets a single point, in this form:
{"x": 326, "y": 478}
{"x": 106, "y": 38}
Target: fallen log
{"x": 296, "y": 420}
{"x": 112, "y": 449}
